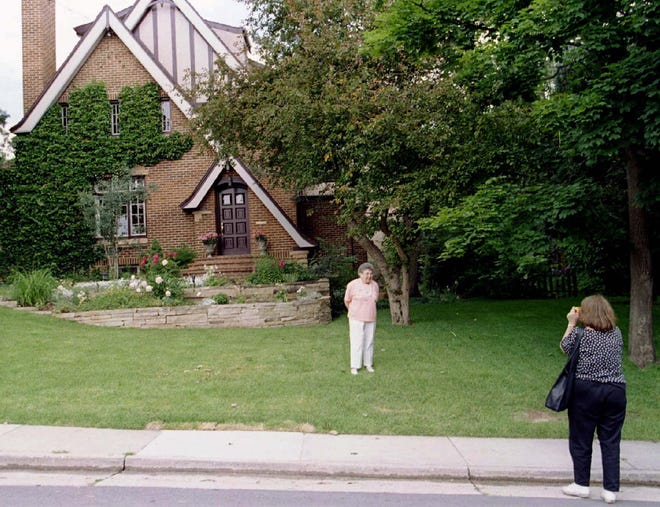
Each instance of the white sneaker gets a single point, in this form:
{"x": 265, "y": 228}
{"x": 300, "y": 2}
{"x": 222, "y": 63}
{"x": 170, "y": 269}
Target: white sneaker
{"x": 353, "y": 371}
{"x": 370, "y": 369}
{"x": 576, "y": 490}
{"x": 608, "y": 496}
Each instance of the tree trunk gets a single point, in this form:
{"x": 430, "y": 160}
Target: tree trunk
{"x": 397, "y": 282}
{"x": 640, "y": 331}
{"x": 398, "y": 294}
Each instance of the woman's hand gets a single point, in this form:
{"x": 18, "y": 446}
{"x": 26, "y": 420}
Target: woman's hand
{"x": 573, "y": 316}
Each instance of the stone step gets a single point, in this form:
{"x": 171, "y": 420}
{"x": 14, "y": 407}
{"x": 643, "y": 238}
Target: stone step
{"x": 234, "y": 266}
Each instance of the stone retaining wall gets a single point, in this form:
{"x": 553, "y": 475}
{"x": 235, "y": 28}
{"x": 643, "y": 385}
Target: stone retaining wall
{"x": 272, "y": 314}
{"x": 298, "y": 312}
{"x": 260, "y": 292}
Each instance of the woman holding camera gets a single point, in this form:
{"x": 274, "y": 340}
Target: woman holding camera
{"x": 598, "y": 401}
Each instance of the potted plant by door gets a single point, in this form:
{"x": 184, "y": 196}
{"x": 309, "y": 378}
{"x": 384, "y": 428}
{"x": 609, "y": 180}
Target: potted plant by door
{"x": 209, "y": 240}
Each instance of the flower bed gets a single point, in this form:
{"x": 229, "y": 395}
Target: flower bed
{"x": 277, "y": 305}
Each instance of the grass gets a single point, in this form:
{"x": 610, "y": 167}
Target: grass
{"x": 473, "y": 368}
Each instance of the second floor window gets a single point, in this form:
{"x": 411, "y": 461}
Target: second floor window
{"x": 114, "y": 117}
{"x": 166, "y": 115}
{"x": 64, "y": 115}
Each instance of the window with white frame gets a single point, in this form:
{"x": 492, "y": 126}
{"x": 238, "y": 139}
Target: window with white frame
{"x": 166, "y": 115}
{"x": 114, "y": 117}
{"x": 133, "y": 219}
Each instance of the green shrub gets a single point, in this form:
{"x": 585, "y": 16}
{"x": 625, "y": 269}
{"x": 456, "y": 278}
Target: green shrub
{"x": 333, "y": 263}
{"x": 162, "y": 277}
{"x": 119, "y": 297}
{"x": 184, "y": 256}
{"x": 221, "y": 299}
{"x": 281, "y": 296}
{"x": 268, "y": 270}
{"x": 213, "y": 277}
{"x": 34, "y": 288}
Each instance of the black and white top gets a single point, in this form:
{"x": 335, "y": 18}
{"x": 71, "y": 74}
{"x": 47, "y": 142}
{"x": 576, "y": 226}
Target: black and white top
{"x": 600, "y": 355}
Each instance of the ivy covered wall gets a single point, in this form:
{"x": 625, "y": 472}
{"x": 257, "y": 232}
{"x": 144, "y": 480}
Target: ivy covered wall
{"x": 42, "y": 221}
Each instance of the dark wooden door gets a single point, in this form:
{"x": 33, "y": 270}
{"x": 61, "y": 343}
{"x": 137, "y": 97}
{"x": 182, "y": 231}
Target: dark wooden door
{"x": 233, "y": 215}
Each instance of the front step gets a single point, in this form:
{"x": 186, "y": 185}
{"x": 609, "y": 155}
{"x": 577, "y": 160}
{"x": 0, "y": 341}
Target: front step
{"x": 236, "y": 267}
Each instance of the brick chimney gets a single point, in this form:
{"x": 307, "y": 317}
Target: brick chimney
{"x": 39, "y": 65}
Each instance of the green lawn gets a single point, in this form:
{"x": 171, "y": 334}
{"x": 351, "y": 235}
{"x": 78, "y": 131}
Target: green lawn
{"x": 472, "y": 368}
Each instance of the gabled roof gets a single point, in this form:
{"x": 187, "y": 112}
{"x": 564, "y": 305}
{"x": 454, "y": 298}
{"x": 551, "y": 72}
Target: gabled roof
{"x": 219, "y": 47}
{"x": 214, "y": 174}
{"x": 109, "y": 22}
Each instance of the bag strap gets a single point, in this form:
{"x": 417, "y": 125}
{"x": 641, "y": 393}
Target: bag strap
{"x": 578, "y": 340}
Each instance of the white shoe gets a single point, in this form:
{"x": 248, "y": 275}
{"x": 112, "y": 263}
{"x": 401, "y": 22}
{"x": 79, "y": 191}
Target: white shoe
{"x": 353, "y": 371}
{"x": 576, "y": 490}
{"x": 608, "y": 496}
{"x": 370, "y": 369}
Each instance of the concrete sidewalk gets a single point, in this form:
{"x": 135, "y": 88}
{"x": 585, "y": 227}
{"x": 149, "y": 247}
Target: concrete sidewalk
{"x": 269, "y": 452}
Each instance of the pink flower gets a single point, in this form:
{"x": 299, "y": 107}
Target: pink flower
{"x": 209, "y": 237}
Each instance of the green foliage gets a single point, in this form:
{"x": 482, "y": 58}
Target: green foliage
{"x": 142, "y": 141}
{"x": 281, "y": 295}
{"x": 54, "y": 165}
{"x": 119, "y": 297}
{"x": 515, "y": 234}
{"x": 268, "y": 270}
{"x": 162, "y": 277}
{"x": 184, "y": 256}
{"x": 34, "y": 288}
{"x": 384, "y": 131}
{"x": 333, "y": 263}
{"x": 221, "y": 298}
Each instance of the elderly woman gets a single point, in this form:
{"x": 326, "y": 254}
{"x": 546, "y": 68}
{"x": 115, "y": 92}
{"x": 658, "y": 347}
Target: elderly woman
{"x": 598, "y": 400}
{"x": 360, "y": 300}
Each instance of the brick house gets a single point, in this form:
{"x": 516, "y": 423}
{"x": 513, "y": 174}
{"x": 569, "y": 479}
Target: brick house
{"x": 166, "y": 42}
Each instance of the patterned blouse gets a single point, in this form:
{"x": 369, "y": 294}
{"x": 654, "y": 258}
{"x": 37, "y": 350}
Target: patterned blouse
{"x": 600, "y": 355}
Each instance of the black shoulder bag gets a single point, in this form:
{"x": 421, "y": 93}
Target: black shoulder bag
{"x": 560, "y": 393}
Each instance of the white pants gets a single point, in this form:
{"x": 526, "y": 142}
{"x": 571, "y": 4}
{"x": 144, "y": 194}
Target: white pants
{"x": 362, "y": 342}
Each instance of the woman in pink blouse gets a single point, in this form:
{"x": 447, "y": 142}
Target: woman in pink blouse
{"x": 360, "y": 299}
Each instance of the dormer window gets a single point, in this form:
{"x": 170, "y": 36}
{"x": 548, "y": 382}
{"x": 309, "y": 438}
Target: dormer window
{"x": 114, "y": 117}
{"x": 166, "y": 115}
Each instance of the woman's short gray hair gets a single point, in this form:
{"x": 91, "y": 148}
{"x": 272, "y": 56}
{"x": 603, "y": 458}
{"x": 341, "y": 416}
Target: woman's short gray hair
{"x": 364, "y": 266}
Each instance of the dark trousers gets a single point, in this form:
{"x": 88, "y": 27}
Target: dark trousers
{"x": 595, "y": 406}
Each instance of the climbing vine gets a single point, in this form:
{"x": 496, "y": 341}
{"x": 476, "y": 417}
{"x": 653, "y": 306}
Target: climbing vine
{"x": 54, "y": 165}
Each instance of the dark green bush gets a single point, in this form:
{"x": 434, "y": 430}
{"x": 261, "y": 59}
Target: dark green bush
{"x": 221, "y": 299}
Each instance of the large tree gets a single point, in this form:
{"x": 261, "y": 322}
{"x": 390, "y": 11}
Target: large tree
{"x": 590, "y": 70}
{"x": 319, "y": 110}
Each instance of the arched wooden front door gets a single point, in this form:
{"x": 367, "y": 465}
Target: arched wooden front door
{"x": 233, "y": 217}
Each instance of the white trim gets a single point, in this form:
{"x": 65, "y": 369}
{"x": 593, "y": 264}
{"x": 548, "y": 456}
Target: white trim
{"x": 106, "y": 19}
{"x": 219, "y": 47}
{"x": 270, "y": 205}
{"x": 210, "y": 178}
{"x": 213, "y": 175}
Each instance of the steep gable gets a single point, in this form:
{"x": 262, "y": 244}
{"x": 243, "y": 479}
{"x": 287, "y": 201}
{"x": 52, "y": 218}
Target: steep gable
{"x": 106, "y": 23}
{"x": 135, "y": 39}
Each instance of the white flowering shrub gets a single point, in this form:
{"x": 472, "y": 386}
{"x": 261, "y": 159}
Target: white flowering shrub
{"x": 162, "y": 277}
